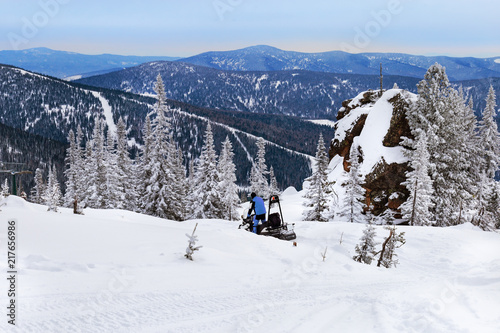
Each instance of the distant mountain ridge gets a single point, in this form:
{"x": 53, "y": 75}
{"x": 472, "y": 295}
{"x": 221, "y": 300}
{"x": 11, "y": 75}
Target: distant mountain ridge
{"x": 62, "y": 64}
{"x": 267, "y": 58}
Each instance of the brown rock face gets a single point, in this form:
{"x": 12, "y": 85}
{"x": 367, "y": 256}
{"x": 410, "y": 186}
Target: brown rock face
{"x": 383, "y": 184}
{"x": 384, "y": 187}
{"x": 399, "y": 124}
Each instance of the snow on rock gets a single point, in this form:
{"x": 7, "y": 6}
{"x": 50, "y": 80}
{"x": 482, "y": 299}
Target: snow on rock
{"x": 364, "y": 122}
{"x": 371, "y": 138}
{"x": 118, "y": 271}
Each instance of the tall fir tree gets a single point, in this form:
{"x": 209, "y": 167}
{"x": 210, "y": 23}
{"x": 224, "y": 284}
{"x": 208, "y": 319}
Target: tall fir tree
{"x": 227, "y": 186}
{"x": 489, "y": 138}
{"x": 156, "y": 196}
{"x": 259, "y": 172}
{"x": 419, "y": 184}
{"x": 89, "y": 177}
{"x": 5, "y": 188}
{"x": 205, "y": 198}
{"x": 439, "y": 113}
{"x": 125, "y": 170}
{"x": 145, "y": 165}
{"x": 353, "y": 203}
{"x": 273, "y": 182}
{"x": 53, "y": 191}
{"x": 39, "y": 188}
{"x": 70, "y": 172}
{"x": 113, "y": 183}
{"x": 318, "y": 187}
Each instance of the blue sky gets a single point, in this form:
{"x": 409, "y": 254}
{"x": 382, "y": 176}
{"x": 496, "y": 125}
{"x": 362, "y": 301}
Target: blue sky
{"x": 188, "y": 27}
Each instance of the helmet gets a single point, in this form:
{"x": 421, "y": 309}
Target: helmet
{"x": 253, "y": 195}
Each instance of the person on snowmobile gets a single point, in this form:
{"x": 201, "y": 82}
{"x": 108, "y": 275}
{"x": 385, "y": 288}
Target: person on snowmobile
{"x": 260, "y": 211}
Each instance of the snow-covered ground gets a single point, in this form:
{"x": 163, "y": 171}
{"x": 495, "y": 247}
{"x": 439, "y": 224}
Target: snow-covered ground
{"x": 117, "y": 271}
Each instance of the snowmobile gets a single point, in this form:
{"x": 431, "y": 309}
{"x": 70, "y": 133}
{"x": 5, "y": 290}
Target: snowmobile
{"x": 274, "y": 226}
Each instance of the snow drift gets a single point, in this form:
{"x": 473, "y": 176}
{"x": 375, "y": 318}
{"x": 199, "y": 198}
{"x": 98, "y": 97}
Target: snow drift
{"x": 118, "y": 271}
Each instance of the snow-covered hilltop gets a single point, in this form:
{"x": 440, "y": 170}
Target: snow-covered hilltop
{"x": 374, "y": 125}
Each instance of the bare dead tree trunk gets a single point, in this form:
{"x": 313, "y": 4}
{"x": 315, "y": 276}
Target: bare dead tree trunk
{"x": 412, "y": 221}
{"x": 383, "y": 248}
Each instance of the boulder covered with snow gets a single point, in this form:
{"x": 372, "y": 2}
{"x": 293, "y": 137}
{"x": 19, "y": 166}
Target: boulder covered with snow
{"x": 376, "y": 125}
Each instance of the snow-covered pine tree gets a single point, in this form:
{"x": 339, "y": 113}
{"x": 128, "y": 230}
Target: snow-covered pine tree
{"x": 205, "y": 199}
{"x": 113, "y": 184}
{"x": 179, "y": 187}
{"x": 273, "y": 182}
{"x": 318, "y": 187}
{"x": 144, "y": 166}
{"x": 5, "y": 188}
{"x": 365, "y": 250}
{"x": 419, "y": 184}
{"x": 156, "y": 197}
{"x": 39, "y": 188}
{"x": 69, "y": 173}
{"x": 227, "y": 186}
{"x": 352, "y": 205}
{"x": 98, "y": 199}
{"x": 125, "y": 170}
{"x": 439, "y": 113}
{"x": 53, "y": 191}
{"x": 494, "y": 204}
{"x": 258, "y": 175}
{"x": 484, "y": 218}
{"x": 489, "y": 137}
{"x": 79, "y": 169}
{"x": 73, "y": 172}
{"x": 89, "y": 177}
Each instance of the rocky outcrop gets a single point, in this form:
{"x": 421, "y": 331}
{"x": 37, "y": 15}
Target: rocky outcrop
{"x": 384, "y": 173}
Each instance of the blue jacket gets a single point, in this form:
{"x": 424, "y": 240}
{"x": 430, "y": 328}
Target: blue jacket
{"x": 258, "y": 205}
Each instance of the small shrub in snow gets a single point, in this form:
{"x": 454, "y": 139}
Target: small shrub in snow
{"x": 191, "y": 244}
{"x": 365, "y": 250}
{"x": 393, "y": 242}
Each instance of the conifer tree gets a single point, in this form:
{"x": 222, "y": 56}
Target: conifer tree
{"x": 258, "y": 176}
{"x": 39, "y": 188}
{"x": 179, "y": 187}
{"x": 273, "y": 182}
{"x": 5, "y": 188}
{"x": 227, "y": 186}
{"x": 487, "y": 213}
{"x": 318, "y": 187}
{"x": 96, "y": 166}
{"x": 419, "y": 184}
{"x": 89, "y": 177}
{"x": 365, "y": 250}
{"x": 71, "y": 176}
{"x": 114, "y": 187}
{"x": 145, "y": 166}
{"x": 205, "y": 199}
{"x": 354, "y": 196}
{"x": 156, "y": 196}
{"x": 439, "y": 113}
{"x": 53, "y": 192}
{"x": 125, "y": 170}
{"x": 489, "y": 137}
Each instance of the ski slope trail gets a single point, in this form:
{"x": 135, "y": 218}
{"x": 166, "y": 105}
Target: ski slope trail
{"x": 118, "y": 271}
